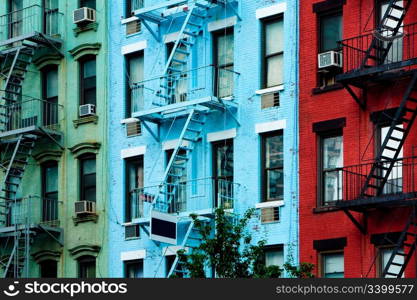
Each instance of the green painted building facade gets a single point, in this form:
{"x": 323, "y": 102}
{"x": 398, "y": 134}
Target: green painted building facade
{"x": 53, "y": 117}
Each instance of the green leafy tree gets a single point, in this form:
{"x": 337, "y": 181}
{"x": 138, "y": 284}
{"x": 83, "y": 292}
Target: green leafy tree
{"x": 228, "y": 249}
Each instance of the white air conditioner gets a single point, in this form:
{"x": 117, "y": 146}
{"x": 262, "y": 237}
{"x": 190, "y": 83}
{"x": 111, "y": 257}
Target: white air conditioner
{"x": 85, "y": 207}
{"x": 84, "y": 15}
{"x": 87, "y": 110}
{"x": 330, "y": 59}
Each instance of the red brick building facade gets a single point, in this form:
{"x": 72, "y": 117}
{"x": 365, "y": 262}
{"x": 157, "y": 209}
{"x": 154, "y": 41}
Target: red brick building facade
{"x": 358, "y": 137}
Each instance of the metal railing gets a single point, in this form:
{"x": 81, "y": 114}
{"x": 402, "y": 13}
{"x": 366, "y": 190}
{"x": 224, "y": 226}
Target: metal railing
{"x": 208, "y": 81}
{"x": 347, "y": 183}
{"x": 27, "y": 111}
{"x": 403, "y": 48}
{"x": 185, "y": 196}
{"x": 33, "y": 210}
{"x": 32, "y": 19}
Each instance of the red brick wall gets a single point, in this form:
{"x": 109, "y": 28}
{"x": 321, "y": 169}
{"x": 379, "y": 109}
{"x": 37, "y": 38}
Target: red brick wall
{"x": 359, "y": 252}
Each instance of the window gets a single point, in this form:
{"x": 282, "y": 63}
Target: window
{"x": 332, "y": 265}
{"x": 134, "y": 269}
{"x": 131, "y": 6}
{"x": 177, "y": 82}
{"x": 87, "y": 267}
{"x": 135, "y": 67}
{"x": 88, "y": 81}
{"x": 394, "y": 184}
{"x": 223, "y": 173}
{"x": 273, "y": 51}
{"x": 384, "y": 257}
{"x": 273, "y": 167}
{"x": 88, "y": 3}
{"x": 330, "y": 32}
{"x": 224, "y": 63}
{"x": 50, "y": 191}
{"x": 331, "y": 165}
{"x": 88, "y": 178}
{"x": 134, "y": 181}
{"x": 178, "y": 201}
{"x": 274, "y": 256}
{"x": 49, "y": 269}
{"x": 16, "y": 18}
{"x": 51, "y": 15}
{"x": 169, "y": 261}
{"x": 50, "y": 95}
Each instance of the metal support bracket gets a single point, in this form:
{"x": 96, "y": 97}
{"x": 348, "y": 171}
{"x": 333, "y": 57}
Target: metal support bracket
{"x": 360, "y": 101}
{"x": 58, "y": 240}
{"x": 157, "y": 36}
{"x": 154, "y": 135}
{"x": 52, "y": 138}
{"x": 362, "y": 227}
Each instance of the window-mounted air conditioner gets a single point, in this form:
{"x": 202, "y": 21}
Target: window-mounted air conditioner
{"x": 87, "y": 110}
{"x": 85, "y": 207}
{"x": 84, "y": 15}
{"x": 330, "y": 59}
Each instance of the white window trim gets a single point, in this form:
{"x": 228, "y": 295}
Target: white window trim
{"x": 271, "y": 10}
{"x": 221, "y": 135}
{"x": 128, "y": 20}
{"x": 133, "y": 255}
{"x": 270, "y": 126}
{"x": 132, "y": 152}
{"x": 169, "y": 145}
{"x": 221, "y": 24}
{"x": 172, "y": 250}
{"x": 270, "y": 204}
{"x": 135, "y": 47}
{"x": 270, "y": 90}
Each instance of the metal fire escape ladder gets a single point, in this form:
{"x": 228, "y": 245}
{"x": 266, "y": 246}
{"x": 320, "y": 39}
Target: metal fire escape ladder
{"x": 386, "y": 32}
{"x": 393, "y": 142}
{"x": 176, "y": 65}
{"x": 405, "y": 248}
{"x": 10, "y": 185}
{"x": 190, "y": 134}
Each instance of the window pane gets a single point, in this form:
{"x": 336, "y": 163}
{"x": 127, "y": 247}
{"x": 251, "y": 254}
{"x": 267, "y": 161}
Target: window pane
{"x": 398, "y": 259}
{"x": 224, "y": 163}
{"x": 136, "y": 68}
{"x": 275, "y": 184}
{"x": 88, "y": 3}
{"x": 89, "y": 68}
{"x": 51, "y": 179}
{"x": 274, "y": 37}
{"x": 332, "y": 185}
{"x": 134, "y": 269}
{"x": 333, "y": 152}
{"x": 333, "y": 265}
{"x": 90, "y": 194}
{"x": 89, "y": 166}
{"x": 274, "y": 257}
{"x": 225, "y": 49}
{"x": 331, "y": 32}
{"x": 52, "y": 83}
{"x": 274, "y": 151}
{"x": 275, "y": 70}
{"x": 225, "y": 82}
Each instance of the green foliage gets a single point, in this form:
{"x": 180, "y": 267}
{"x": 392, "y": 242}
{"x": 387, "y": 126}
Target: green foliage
{"x": 228, "y": 249}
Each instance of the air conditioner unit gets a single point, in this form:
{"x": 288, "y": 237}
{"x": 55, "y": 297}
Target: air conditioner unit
{"x": 330, "y": 59}
{"x": 84, "y": 15}
{"x": 87, "y": 110}
{"x": 132, "y": 232}
{"x": 85, "y": 207}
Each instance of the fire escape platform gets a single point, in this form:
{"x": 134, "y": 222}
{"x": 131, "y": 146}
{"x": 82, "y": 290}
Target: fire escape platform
{"x": 10, "y": 231}
{"x": 362, "y": 78}
{"x": 34, "y": 129}
{"x": 168, "y": 112}
{"x": 384, "y": 201}
{"x": 35, "y": 37}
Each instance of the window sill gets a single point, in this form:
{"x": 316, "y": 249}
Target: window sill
{"x": 128, "y": 20}
{"x": 84, "y": 219}
{"x": 324, "y": 209}
{"x": 329, "y": 88}
{"x": 90, "y": 26}
{"x": 274, "y": 89}
{"x": 85, "y": 120}
{"x": 270, "y": 204}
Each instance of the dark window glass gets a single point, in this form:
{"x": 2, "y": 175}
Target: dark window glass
{"x": 49, "y": 269}
{"x": 87, "y": 267}
{"x": 51, "y": 17}
{"x": 333, "y": 265}
{"x": 50, "y": 191}
{"x": 223, "y": 173}
{"x": 177, "y": 82}
{"x": 224, "y": 63}
{"x": 135, "y": 67}
{"x": 50, "y": 95}
{"x": 273, "y": 52}
{"x": 177, "y": 202}
{"x": 131, "y": 6}
{"x": 88, "y": 178}
{"x": 134, "y": 269}
{"x": 330, "y": 31}
{"x": 134, "y": 181}
{"x": 15, "y": 18}
{"x": 88, "y": 81}
{"x": 88, "y": 3}
{"x": 273, "y": 167}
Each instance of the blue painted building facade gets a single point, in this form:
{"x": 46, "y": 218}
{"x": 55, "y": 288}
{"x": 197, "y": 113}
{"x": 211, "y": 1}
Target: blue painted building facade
{"x": 203, "y": 113}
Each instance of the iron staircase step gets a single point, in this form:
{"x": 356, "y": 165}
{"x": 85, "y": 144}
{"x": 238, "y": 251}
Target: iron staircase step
{"x": 392, "y": 274}
{"x": 396, "y": 264}
{"x": 394, "y": 18}
{"x": 397, "y": 7}
{"x": 190, "y": 33}
{"x": 182, "y": 51}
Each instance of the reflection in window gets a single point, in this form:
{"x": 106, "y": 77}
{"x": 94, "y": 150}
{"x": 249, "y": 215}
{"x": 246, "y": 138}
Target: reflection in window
{"x": 273, "y": 175}
{"x": 332, "y": 159}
